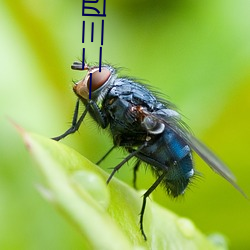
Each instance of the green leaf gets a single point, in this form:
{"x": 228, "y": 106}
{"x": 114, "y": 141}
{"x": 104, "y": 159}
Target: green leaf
{"x": 106, "y": 215}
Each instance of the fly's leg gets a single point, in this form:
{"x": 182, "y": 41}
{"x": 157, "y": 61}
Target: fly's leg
{"x": 136, "y": 167}
{"x": 105, "y": 155}
{"x": 145, "y": 196}
{"x": 75, "y": 124}
{"x": 90, "y": 107}
{"x": 116, "y": 168}
{"x": 98, "y": 115}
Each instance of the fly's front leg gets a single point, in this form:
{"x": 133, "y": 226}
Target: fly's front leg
{"x": 97, "y": 114}
{"x": 75, "y": 123}
{"x": 92, "y": 108}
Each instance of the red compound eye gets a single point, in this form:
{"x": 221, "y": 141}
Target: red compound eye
{"x": 98, "y": 79}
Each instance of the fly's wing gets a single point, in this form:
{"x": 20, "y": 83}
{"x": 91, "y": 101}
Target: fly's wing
{"x": 212, "y": 160}
{"x": 175, "y": 124}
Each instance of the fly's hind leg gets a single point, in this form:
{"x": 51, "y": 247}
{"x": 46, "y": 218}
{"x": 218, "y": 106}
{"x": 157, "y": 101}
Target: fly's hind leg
{"x": 145, "y": 196}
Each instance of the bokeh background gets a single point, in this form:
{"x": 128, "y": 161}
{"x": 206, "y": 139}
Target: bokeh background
{"x": 195, "y": 52}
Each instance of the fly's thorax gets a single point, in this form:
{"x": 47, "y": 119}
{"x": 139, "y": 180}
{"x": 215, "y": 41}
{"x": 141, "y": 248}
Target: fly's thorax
{"x": 95, "y": 81}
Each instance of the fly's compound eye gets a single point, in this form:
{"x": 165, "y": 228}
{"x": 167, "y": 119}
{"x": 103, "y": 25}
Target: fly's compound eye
{"x": 98, "y": 79}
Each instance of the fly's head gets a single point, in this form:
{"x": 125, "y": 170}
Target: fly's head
{"x": 97, "y": 81}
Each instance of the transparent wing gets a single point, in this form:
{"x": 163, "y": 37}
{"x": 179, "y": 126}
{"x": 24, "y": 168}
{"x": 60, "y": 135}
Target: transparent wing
{"x": 175, "y": 124}
{"x": 208, "y": 156}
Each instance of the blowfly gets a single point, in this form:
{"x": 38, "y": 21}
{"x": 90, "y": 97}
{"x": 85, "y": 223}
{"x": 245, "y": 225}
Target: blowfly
{"x": 148, "y": 127}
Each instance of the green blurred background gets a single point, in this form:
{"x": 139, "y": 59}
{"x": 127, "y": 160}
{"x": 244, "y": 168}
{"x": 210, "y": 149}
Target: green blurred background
{"x": 195, "y": 52}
